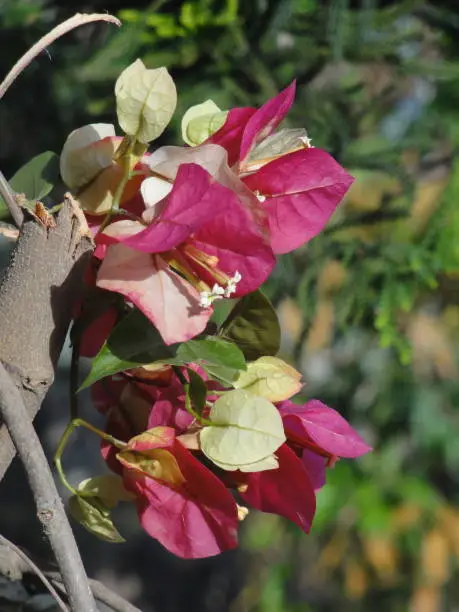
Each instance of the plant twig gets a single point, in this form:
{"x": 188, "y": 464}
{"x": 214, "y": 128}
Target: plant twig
{"x": 74, "y": 379}
{"x": 8, "y": 195}
{"x": 101, "y": 593}
{"x": 35, "y": 569}
{"x": 19, "y": 562}
{"x": 50, "y": 509}
{"x": 63, "y": 28}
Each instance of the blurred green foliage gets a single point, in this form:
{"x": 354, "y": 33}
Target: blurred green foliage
{"x": 370, "y": 308}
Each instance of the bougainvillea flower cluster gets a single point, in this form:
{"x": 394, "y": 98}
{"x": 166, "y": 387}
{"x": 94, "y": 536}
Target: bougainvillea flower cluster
{"x": 200, "y": 424}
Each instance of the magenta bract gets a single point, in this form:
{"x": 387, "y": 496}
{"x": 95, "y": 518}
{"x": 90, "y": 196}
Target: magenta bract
{"x": 192, "y": 520}
{"x": 324, "y": 427}
{"x": 300, "y": 192}
{"x": 287, "y": 491}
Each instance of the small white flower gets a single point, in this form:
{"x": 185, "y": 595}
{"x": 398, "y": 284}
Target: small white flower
{"x": 218, "y": 291}
{"x": 307, "y": 141}
{"x": 231, "y": 286}
{"x": 209, "y": 297}
{"x": 205, "y": 299}
{"x": 260, "y": 196}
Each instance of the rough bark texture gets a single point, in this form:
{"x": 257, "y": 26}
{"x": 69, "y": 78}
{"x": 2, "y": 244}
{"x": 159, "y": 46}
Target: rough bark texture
{"x": 37, "y": 293}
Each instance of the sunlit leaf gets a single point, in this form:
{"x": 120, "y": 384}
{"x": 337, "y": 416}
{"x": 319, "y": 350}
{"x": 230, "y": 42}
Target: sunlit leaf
{"x": 201, "y": 121}
{"x": 247, "y": 430}
{"x": 145, "y": 101}
{"x": 146, "y": 453}
{"x": 108, "y": 489}
{"x": 219, "y": 358}
{"x": 271, "y": 378}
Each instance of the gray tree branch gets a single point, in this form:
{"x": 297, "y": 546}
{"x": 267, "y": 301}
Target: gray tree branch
{"x": 101, "y": 593}
{"x": 26, "y": 562}
{"x": 8, "y": 195}
{"x": 60, "y": 30}
{"x": 38, "y": 293}
{"x": 50, "y": 509}
{"x": 14, "y": 563}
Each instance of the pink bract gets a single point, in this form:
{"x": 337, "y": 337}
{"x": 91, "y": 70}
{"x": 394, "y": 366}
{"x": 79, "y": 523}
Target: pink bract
{"x": 286, "y": 491}
{"x": 203, "y": 227}
{"x": 244, "y": 128}
{"x": 300, "y": 192}
{"x": 325, "y": 427}
{"x": 167, "y": 299}
{"x": 193, "y": 520}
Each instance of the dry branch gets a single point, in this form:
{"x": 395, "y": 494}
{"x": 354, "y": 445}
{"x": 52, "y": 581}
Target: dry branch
{"x": 8, "y": 195}
{"x": 50, "y": 509}
{"x": 63, "y": 28}
{"x": 26, "y": 562}
{"x": 15, "y": 562}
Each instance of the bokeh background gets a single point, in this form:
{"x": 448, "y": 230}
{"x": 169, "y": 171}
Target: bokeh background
{"x": 370, "y": 309}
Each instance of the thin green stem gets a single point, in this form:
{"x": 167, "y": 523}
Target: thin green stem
{"x": 54, "y": 209}
{"x": 188, "y": 404}
{"x": 126, "y": 161}
{"x": 191, "y": 410}
{"x": 74, "y": 379}
{"x": 74, "y": 423}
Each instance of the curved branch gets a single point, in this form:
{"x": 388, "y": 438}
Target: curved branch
{"x": 8, "y": 195}
{"x": 101, "y": 593}
{"x": 63, "y": 28}
{"x": 50, "y": 509}
{"x": 15, "y": 562}
{"x": 35, "y": 569}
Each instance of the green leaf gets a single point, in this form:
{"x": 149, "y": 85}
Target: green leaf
{"x": 37, "y": 178}
{"x": 95, "y": 517}
{"x": 108, "y": 489}
{"x": 219, "y": 358}
{"x": 133, "y": 342}
{"x": 247, "y": 431}
{"x": 146, "y": 453}
{"x": 145, "y": 101}
{"x": 197, "y": 391}
{"x": 253, "y": 325}
{"x": 222, "y": 309}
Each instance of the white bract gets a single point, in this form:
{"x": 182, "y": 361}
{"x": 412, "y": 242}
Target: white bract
{"x": 271, "y": 378}
{"x": 247, "y": 431}
{"x": 86, "y": 152}
{"x": 154, "y": 190}
{"x": 201, "y": 121}
{"x": 145, "y": 101}
{"x": 108, "y": 488}
{"x": 268, "y": 463}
